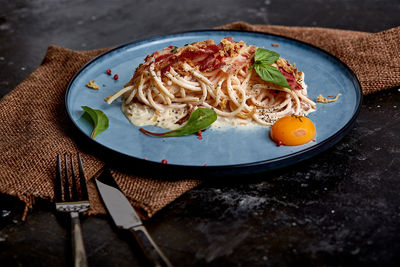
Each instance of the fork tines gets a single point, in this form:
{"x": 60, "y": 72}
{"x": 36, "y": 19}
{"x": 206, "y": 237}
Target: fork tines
{"x": 71, "y": 194}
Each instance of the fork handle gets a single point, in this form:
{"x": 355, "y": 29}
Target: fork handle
{"x": 78, "y": 248}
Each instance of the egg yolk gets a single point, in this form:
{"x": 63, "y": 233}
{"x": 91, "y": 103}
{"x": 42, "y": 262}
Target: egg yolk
{"x": 293, "y": 130}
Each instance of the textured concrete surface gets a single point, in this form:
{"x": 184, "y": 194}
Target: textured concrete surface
{"x": 341, "y": 208}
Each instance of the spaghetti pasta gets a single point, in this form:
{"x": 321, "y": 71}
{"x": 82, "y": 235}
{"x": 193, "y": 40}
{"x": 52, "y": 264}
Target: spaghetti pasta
{"x": 175, "y": 81}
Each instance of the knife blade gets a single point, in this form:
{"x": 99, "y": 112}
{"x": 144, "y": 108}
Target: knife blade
{"x": 125, "y": 217}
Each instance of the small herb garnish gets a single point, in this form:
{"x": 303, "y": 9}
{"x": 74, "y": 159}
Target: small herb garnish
{"x": 174, "y": 50}
{"x": 263, "y": 59}
{"x": 199, "y": 120}
{"x": 97, "y": 118}
{"x": 297, "y": 117}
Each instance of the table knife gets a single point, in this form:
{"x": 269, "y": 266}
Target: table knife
{"x": 125, "y": 217}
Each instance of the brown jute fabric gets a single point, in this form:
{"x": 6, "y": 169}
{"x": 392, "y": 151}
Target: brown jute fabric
{"x": 35, "y": 127}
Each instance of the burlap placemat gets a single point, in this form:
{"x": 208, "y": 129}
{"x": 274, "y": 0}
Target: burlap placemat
{"x": 35, "y": 127}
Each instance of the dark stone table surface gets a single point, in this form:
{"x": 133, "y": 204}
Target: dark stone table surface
{"x": 340, "y": 208}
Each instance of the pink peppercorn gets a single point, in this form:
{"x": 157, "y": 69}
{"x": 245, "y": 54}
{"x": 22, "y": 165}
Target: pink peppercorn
{"x": 199, "y": 135}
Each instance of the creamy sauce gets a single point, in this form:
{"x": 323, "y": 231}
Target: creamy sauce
{"x": 142, "y": 115}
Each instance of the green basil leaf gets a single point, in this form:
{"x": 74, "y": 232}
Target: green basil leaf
{"x": 199, "y": 120}
{"x": 97, "y": 118}
{"x": 265, "y": 56}
{"x": 271, "y": 74}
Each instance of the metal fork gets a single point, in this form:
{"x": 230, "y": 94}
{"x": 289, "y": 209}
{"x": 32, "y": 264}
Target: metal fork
{"x": 69, "y": 200}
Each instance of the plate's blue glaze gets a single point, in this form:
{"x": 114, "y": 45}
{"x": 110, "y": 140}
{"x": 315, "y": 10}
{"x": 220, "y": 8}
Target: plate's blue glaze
{"x": 324, "y": 74}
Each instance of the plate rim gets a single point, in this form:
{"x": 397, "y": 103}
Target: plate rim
{"x": 275, "y": 162}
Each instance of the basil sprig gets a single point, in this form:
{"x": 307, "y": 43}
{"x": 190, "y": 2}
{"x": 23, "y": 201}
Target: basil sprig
{"x": 199, "y": 120}
{"x": 263, "y": 59}
{"x": 97, "y": 118}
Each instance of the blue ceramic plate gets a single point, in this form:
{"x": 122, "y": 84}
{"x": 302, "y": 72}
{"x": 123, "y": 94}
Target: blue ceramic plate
{"x": 230, "y": 149}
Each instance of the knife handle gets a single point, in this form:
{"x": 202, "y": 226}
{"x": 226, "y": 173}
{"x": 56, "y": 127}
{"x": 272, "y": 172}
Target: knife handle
{"x": 149, "y": 247}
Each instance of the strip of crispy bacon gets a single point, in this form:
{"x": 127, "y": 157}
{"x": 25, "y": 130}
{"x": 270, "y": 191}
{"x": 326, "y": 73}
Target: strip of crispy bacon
{"x": 206, "y": 55}
{"x": 229, "y": 56}
{"x": 291, "y": 79}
